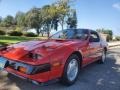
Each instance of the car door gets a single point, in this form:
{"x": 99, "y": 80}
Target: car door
{"x": 95, "y": 47}
{"x": 84, "y": 46}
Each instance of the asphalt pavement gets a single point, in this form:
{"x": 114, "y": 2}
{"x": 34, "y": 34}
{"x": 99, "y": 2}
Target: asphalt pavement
{"x": 93, "y": 77}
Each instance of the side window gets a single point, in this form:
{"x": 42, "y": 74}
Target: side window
{"x": 86, "y": 34}
{"x": 94, "y": 37}
{"x": 82, "y": 34}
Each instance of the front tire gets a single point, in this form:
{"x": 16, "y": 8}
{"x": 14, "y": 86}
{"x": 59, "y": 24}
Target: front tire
{"x": 71, "y": 70}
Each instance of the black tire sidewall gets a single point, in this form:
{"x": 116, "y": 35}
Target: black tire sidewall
{"x": 101, "y": 59}
{"x": 64, "y": 78}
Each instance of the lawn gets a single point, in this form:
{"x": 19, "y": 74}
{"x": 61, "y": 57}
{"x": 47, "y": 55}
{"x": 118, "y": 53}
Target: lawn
{"x": 14, "y": 39}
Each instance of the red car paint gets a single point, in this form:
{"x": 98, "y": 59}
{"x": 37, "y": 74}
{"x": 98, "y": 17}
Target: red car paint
{"x": 55, "y": 52}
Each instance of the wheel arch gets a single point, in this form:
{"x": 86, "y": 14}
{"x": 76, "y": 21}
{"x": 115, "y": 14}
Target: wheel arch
{"x": 79, "y": 54}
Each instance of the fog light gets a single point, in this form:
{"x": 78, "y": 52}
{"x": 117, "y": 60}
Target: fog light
{"x": 22, "y": 69}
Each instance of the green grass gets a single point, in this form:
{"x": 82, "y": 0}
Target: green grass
{"x": 14, "y": 39}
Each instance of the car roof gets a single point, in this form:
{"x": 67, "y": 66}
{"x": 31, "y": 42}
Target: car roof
{"x": 85, "y": 29}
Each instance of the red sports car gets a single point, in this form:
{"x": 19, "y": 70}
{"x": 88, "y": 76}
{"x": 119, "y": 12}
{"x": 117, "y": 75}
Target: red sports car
{"x": 60, "y": 57}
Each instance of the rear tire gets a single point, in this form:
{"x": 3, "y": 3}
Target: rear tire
{"x": 71, "y": 70}
{"x": 103, "y": 58}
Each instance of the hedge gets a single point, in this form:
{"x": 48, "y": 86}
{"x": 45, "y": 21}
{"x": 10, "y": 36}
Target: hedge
{"x": 15, "y": 33}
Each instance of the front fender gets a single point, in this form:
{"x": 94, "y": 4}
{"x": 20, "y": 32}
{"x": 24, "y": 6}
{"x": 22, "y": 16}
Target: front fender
{"x": 58, "y": 60}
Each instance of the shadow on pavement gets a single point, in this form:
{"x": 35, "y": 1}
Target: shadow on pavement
{"x": 93, "y": 77}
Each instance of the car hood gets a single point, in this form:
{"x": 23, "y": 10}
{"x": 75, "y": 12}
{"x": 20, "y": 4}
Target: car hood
{"x": 19, "y": 50}
{"x": 31, "y": 45}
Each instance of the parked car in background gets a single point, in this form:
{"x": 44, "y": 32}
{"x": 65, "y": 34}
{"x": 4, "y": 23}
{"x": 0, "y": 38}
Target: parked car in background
{"x": 60, "y": 57}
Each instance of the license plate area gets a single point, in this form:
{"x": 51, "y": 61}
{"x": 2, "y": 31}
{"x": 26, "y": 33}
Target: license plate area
{"x": 2, "y": 63}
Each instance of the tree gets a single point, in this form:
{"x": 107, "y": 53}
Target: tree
{"x": 33, "y": 19}
{"x": 8, "y": 21}
{"x": 43, "y": 19}
{"x": 55, "y": 14}
{"x": 0, "y": 19}
{"x": 55, "y": 17}
{"x": 117, "y": 38}
{"x": 106, "y": 31}
{"x": 63, "y": 10}
{"x": 20, "y": 19}
{"x": 72, "y": 20}
{"x": 47, "y": 12}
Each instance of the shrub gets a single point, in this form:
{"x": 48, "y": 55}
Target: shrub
{"x": 30, "y": 34}
{"x": 15, "y": 33}
{"x": 117, "y": 38}
{"x": 2, "y": 32}
{"x": 109, "y": 38}
{"x": 18, "y": 29}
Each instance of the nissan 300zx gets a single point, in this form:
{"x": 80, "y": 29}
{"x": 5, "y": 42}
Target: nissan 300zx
{"x": 61, "y": 57}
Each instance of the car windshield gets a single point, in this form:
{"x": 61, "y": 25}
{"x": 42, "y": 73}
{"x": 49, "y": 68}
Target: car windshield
{"x": 81, "y": 34}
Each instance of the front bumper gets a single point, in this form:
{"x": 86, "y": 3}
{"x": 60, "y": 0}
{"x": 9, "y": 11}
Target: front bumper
{"x": 40, "y": 78}
{"x": 39, "y": 73}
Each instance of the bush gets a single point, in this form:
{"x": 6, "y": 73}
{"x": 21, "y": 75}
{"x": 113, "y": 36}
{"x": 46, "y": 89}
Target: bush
{"x": 2, "y": 32}
{"x": 15, "y": 33}
{"x": 18, "y": 29}
{"x": 30, "y": 34}
{"x": 109, "y": 38}
{"x": 117, "y": 38}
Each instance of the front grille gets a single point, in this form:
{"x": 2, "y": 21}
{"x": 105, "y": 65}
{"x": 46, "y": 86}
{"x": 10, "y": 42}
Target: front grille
{"x": 12, "y": 65}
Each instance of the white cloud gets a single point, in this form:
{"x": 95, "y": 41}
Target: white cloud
{"x": 116, "y": 5}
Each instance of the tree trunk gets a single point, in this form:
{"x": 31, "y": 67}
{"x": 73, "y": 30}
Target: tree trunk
{"x": 37, "y": 31}
{"x": 48, "y": 32}
{"x": 42, "y": 34}
{"x": 62, "y": 25}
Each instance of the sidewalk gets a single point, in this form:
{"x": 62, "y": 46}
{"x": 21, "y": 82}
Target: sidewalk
{"x": 113, "y": 44}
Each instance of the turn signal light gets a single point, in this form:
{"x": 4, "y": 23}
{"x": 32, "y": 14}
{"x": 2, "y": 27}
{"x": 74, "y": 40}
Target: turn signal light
{"x": 22, "y": 69}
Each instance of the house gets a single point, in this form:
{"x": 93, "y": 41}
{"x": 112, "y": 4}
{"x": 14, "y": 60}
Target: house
{"x": 104, "y": 36}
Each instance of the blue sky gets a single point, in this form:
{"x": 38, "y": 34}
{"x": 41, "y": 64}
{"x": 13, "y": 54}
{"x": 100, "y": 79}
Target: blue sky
{"x": 91, "y": 14}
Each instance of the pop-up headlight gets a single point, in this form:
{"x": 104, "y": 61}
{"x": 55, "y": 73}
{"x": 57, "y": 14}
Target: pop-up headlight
{"x": 35, "y": 56}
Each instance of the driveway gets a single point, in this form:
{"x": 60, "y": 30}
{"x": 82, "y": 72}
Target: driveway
{"x": 93, "y": 77}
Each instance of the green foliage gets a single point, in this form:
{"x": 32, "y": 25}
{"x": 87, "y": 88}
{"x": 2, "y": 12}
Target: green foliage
{"x": 43, "y": 19}
{"x": 109, "y": 38}
{"x": 30, "y": 34}
{"x": 15, "y": 33}
{"x": 106, "y": 31}
{"x": 47, "y": 17}
{"x": 8, "y": 21}
{"x": 20, "y": 19}
{"x": 72, "y": 20}
{"x": 63, "y": 11}
{"x": 117, "y": 38}
{"x": 15, "y": 39}
{"x": 33, "y": 19}
{"x": 2, "y": 32}
{"x": 18, "y": 29}
{"x": 0, "y": 20}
